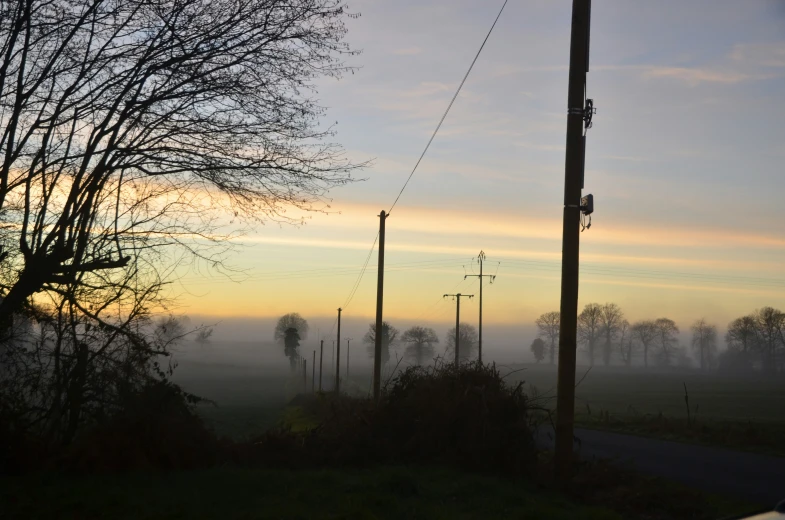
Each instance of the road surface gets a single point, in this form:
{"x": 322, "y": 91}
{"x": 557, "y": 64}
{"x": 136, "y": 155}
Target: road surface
{"x": 757, "y": 478}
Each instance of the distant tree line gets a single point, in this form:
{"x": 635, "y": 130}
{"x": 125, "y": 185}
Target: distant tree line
{"x": 756, "y": 340}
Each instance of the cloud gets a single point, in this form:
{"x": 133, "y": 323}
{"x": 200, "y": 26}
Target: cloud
{"x": 696, "y": 76}
{"x": 407, "y": 51}
{"x": 760, "y": 54}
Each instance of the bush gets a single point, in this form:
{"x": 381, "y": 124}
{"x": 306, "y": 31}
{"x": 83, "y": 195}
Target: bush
{"x": 464, "y": 416}
{"x": 155, "y": 429}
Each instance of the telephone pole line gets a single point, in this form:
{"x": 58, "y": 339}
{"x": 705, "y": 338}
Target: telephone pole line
{"x": 377, "y": 344}
{"x": 457, "y": 298}
{"x": 579, "y": 115}
{"x": 338, "y": 356}
{"x": 481, "y": 256}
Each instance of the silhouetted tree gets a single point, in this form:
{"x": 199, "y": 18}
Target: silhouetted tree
{"x": 538, "y": 349}
{"x": 704, "y": 341}
{"x": 667, "y": 341}
{"x": 291, "y": 343}
{"x": 626, "y": 342}
{"x": 548, "y": 328}
{"x": 389, "y": 340}
{"x": 131, "y": 128}
{"x": 293, "y": 320}
{"x": 742, "y": 335}
{"x": 590, "y": 328}
{"x": 170, "y": 329}
{"x": 467, "y": 350}
{"x": 644, "y": 334}
{"x": 204, "y": 334}
{"x": 611, "y": 318}
{"x": 770, "y": 324}
{"x": 419, "y": 341}
{"x": 743, "y": 343}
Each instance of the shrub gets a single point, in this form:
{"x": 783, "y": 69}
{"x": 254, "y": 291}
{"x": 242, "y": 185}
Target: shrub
{"x": 464, "y": 416}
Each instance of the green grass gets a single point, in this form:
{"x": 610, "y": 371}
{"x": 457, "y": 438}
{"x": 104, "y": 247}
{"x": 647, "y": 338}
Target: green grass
{"x": 384, "y": 493}
{"x": 759, "y": 437}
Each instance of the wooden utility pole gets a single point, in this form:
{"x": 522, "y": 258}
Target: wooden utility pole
{"x": 457, "y": 298}
{"x": 321, "y": 361}
{"x": 347, "y": 357}
{"x": 313, "y": 373}
{"x": 338, "y": 356}
{"x": 377, "y": 344}
{"x": 579, "y": 111}
{"x": 481, "y": 256}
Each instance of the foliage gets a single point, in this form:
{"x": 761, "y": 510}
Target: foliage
{"x": 419, "y": 341}
{"x": 465, "y": 416}
{"x": 293, "y": 320}
{"x": 538, "y": 349}
{"x": 548, "y": 326}
{"x": 389, "y": 340}
{"x": 467, "y": 348}
{"x": 68, "y": 372}
{"x": 417, "y": 492}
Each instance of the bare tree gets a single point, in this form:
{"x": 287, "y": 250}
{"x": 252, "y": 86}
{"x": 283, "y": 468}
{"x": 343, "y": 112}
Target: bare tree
{"x": 389, "y": 340}
{"x": 626, "y": 342}
{"x": 644, "y": 333}
{"x": 590, "y": 329}
{"x": 611, "y": 318}
{"x": 128, "y": 128}
{"x": 704, "y": 341}
{"x": 419, "y": 341}
{"x": 468, "y": 342}
{"x": 666, "y": 331}
{"x": 742, "y": 335}
{"x": 548, "y": 327}
{"x": 770, "y": 323}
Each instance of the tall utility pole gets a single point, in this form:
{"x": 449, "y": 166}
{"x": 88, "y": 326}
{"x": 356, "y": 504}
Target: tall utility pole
{"x": 313, "y": 373}
{"x": 377, "y": 344}
{"x": 457, "y": 298}
{"x": 347, "y": 357}
{"x": 481, "y": 256}
{"x": 579, "y": 111}
{"x": 338, "y": 356}
{"x": 321, "y": 361}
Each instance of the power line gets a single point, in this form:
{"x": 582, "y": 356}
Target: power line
{"x": 362, "y": 272}
{"x": 448, "y": 107}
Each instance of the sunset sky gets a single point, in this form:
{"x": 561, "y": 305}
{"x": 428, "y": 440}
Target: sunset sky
{"x": 685, "y": 161}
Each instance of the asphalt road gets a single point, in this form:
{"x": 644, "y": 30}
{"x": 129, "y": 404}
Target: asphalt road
{"x": 757, "y": 478}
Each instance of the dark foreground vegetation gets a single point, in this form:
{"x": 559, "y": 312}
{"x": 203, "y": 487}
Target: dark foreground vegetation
{"x": 443, "y": 443}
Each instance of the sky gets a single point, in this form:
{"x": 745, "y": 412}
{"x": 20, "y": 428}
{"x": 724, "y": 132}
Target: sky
{"x": 684, "y": 161}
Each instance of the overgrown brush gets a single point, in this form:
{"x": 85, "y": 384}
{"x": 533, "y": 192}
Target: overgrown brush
{"x": 465, "y": 416}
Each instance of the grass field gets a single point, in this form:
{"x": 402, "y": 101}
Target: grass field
{"x": 249, "y": 397}
{"x": 384, "y": 493}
